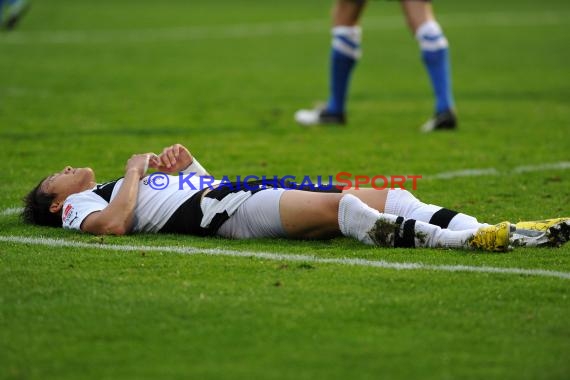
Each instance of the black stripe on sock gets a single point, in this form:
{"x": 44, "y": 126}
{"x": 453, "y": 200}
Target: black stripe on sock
{"x": 398, "y": 239}
{"x": 399, "y": 221}
{"x": 443, "y": 217}
{"x": 409, "y": 236}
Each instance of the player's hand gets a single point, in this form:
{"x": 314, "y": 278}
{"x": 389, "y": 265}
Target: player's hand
{"x": 174, "y": 158}
{"x": 141, "y": 162}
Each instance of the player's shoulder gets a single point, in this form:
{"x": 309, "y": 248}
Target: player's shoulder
{"x": 86, "y": 195}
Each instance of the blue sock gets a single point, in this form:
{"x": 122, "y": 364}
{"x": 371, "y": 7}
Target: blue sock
{"x": 9, "y": 2}
{"x": 437, "y": 65}
{"x": 344, "y": 54}
{"x": 341, "y": 68}
{"x": 435, "y": 54}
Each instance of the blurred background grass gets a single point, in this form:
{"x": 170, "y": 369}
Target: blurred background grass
{"x": 90, "y": 83}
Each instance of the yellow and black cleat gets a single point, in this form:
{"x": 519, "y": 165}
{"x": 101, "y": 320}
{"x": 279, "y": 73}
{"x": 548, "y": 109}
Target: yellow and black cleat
{"x": 492, "y": 238}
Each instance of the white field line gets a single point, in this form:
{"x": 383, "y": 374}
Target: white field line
{"x": 11, "y": 211}
{"x": 18, "y": 92}
{"x": 464, "y": 173}
{"x": 49, "y": 242}
{"x": 562, "y": 165}
{"x": 498, "y": 19}
{"x": 479, "y": 172}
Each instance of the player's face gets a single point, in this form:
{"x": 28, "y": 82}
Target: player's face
{"x": 69, "y": 181}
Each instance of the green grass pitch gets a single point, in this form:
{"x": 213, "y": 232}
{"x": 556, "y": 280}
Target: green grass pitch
{"x": 92, "y": 82}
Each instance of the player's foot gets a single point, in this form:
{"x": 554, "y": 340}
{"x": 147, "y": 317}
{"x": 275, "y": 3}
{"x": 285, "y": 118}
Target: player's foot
{"x": 445, "y": 120}
{"x": 542, "y": 233}
{"x": 319, "y": 116}
{"x": 492, "y": 238}
{"x": 15, "y": 13}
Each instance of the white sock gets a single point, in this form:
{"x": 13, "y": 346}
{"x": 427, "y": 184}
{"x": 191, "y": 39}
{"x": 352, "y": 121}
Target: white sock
{"x": 371, "y": 227}
{"x": 415, "y": 234}
{"x": 355, "y": 218}
{"x": 436, "y": 40}
{"x": 437, "y": 237}
{"x": 347, "y": 39}
{"x": 402, "y": 202}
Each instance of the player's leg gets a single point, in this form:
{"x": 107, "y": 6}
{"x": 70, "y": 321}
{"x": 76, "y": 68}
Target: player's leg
{"x": 403, "y": 203}
{"x": 345, "y": 52}
{"x": 358, "y": 214}
{"x": 544, "y": 233}
{"x": 1, "y": 10}
{"x": 307, "y": 215}
{"x": 15, "y": 11}
{"x": 435, "y": 54}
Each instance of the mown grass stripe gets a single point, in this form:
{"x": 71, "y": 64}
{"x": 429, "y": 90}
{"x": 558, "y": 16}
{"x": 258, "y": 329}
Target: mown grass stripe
{"x": 50, "y": 242}
{"x": 462, "y": 20}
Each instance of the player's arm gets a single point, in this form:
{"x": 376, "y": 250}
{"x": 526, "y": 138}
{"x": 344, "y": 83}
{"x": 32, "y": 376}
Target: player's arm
{"x": 177, "y": 158}
{"x": 117, "y": 217}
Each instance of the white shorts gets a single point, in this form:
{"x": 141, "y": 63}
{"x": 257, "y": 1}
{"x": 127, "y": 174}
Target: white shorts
{"x": 257, "y": 217}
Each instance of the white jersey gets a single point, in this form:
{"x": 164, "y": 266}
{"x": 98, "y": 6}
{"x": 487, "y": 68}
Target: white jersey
{"x": 153, "y": 209}
{"x": 164, "y": 204}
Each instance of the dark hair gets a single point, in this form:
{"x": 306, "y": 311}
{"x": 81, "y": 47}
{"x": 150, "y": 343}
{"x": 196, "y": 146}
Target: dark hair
{"x": 36, "y": 208}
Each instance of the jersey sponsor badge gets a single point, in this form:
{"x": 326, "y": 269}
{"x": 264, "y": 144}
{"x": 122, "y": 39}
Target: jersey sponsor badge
{"x": 68, "y": 213}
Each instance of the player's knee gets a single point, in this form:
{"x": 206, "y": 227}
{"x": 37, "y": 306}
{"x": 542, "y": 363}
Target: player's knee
{"x": 430, "y": 36}
{"x": 331, "y": 206}
{"x": 325, "y": 213}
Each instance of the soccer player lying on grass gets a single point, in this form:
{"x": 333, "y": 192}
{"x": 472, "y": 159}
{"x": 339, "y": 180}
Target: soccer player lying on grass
{"x": 387, "y": 218}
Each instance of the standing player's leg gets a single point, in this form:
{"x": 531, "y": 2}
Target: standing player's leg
{"x": 16, "y": 10}
{"x": 435, "y": 54}
{"x": 1, "y": 9}
{"x": 345, "y": 53}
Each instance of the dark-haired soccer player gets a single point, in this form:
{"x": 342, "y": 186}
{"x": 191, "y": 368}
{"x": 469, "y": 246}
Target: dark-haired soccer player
{"x": 72, "y": 198}
{"x": 346, "y": 51}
